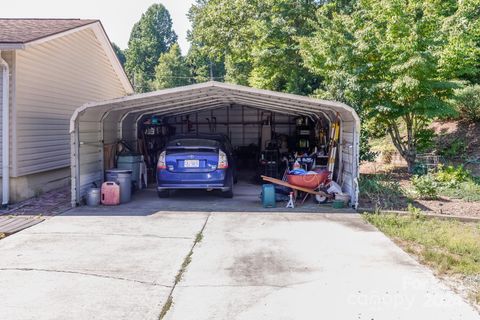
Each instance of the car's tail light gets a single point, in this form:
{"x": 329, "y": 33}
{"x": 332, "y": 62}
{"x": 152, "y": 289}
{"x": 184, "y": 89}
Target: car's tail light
{"x": 222, "y": 160}
{"x": 161, "y": 161}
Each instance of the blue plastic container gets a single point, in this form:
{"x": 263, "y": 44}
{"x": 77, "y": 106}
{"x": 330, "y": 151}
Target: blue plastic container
{"x": 268, "y": 196}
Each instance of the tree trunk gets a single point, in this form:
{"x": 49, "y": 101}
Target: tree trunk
{"x": 406, "y": 148}
{"x": 410, "y": 158}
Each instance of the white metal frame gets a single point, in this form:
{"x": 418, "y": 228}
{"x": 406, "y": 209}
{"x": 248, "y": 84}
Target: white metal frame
{"x": 194, "y": 98}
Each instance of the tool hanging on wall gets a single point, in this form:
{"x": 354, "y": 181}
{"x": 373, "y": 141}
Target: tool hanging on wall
{"x": 334, "y": 138}
{"x": 209, "y": 125}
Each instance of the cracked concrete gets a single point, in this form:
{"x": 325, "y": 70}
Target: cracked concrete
{"x": 247, "y": 266}
{"x": 307, "y": 266}
{"x": 90, "y": 267}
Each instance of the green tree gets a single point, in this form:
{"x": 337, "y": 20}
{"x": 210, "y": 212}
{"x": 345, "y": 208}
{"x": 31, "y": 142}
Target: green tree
{"x": 204, "y": 68}
{"x": 257, "y": 40}
{"x": 461, "y": 55}
{"x": 172, "y": 70}
{"x": 151, "y": 36}
{"x": 383, "y": 58}
{"x": 119, "y": 53}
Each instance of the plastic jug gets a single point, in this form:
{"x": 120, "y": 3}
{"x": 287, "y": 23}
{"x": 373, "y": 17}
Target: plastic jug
{"x": 110, "y": 193}
{"x": 268, "y": 196}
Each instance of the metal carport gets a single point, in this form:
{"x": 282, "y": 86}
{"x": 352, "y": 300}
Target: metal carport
{"x": 96, "y": 124}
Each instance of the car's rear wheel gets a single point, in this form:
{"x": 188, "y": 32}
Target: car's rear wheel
{"x": 163, "y": 194}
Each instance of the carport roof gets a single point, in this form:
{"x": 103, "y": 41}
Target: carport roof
{"x": 211, "y": 95}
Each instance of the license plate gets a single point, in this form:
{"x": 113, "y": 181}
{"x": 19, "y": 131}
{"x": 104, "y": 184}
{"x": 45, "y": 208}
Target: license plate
{"x": 191, "y": 163}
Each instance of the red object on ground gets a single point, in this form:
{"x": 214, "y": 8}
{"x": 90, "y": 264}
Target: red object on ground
{"x": 310, "y": 181}
{"x": 110, "y": 193}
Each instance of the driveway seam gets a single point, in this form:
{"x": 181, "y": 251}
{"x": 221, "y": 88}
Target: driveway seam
{"x": 85, "y": 274}
{"x": 168, "y": 303}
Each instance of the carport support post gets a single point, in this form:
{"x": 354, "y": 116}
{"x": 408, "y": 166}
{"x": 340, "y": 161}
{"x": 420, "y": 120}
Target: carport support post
{"x": 75, "y": 165}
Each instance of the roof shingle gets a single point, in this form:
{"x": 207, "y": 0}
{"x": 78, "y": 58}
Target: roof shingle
{"x": 20, "y": 31}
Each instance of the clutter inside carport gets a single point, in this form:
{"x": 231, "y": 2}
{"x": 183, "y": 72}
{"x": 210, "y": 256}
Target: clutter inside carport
{"x": 296, "y": 142}
{"x": 125, "y": 173}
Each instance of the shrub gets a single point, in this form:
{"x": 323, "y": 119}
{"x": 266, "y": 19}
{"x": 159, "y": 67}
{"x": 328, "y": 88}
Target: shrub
{"x": 456, "y": 149}
{"x": 467, "y": 101}
{"x": 383, "y": 191}
{"x": 451, "y": 176}
{"x": 426, "y": 187}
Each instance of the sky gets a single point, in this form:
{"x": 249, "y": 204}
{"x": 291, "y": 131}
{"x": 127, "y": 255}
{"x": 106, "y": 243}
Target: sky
{"x": 117, "y": 16}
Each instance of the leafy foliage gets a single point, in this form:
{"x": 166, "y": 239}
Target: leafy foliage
{"x": 451, "y": 175}
{"x": 382, "y": 190}
{"x": 460, "y": 57}
{"x": 119, "y": 53}
{"x": 450, "y": 181}
{"x": 457, "y": 149}
{"x": 426, "y": 187}
{"x": 202, "y": 67}
{"x": 467, "y": 101}
{"x": 151, "y": 36}
{"x": 172, "y": 70}
{"x": 385, "y": 57}
{"x": 258, "y": 40}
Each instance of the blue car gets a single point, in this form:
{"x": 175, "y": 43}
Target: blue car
{"x": 203, "y": 161}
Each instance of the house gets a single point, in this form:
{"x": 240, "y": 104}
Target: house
{"x": 48, "y": 68}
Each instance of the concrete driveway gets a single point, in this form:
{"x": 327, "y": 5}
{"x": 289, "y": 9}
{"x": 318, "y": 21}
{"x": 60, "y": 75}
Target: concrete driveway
{"x": 244, "y": 266}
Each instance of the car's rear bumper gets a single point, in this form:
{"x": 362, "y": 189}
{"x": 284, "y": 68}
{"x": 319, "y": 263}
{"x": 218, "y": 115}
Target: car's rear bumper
{"x": 218, "y": 179}
{"x": 164, "y": 187}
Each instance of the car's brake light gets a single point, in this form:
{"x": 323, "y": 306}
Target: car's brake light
{"x": 161, "y": 161}
{"x": 222, "y": 160}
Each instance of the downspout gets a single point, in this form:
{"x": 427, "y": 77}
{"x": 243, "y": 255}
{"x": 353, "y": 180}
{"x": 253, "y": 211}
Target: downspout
{"x": 5, "y": 132}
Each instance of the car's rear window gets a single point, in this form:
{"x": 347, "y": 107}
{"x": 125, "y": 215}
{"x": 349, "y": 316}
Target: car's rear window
{"x": 193, "y": 143}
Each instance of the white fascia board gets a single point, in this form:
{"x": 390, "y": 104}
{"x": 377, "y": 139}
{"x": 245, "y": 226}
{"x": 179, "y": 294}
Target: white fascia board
{"x": 107, "y": 47}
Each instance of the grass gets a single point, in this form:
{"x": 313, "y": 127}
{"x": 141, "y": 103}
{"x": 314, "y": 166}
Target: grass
{"x": 447, "y": 246}
{"x": 2, "y": 235}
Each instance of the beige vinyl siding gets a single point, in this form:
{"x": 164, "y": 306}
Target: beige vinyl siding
{"x": 53, "y": 79}
{"x": 9, "y": 57}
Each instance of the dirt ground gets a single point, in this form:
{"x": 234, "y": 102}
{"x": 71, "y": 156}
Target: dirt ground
{"x": 48, "y": 204}
{"x": 442, "y": 205}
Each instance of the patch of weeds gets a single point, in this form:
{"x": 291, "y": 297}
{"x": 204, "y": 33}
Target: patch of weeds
{"x": 168, "y": 304}
{"x": 425, "y": 187}
{"x": 468, "y": 191}
{"x": 199, "y": 237}
{"x": 183, "y": 268}
{"x": 2, "y": 235}
{"x": 415, "y": 212}
{"x": 382, "y": 190}
{"x": 452, "y": 182}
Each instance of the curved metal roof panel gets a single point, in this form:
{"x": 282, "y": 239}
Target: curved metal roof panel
{"x": 193, "y": 97}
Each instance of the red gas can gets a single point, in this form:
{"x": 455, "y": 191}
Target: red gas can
{"x": 110, "y": 193}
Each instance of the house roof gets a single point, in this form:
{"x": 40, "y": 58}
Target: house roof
{"x": 22, "y": 31}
